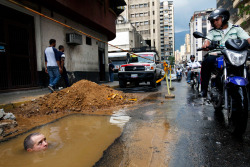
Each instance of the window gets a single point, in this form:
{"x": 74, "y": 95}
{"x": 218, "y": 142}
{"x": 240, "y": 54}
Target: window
{"x": 132, "y": 6}
{"x": 146, "y": 14}
{"x": 146, "y": 23}
{"x": 137, "y": 15}
{"x": 153, "y": 21}
{"x": 153, "y": 4}
{"x": 141, "y": 5}
{"x": 153, "y": 12}
{"x": 145, "y": 5}
{"x": 153, "y": 30}
{"x": 132, "y": 15}
{"x": 137, "y": 23}
{"x": 141, "y": 14}
{"x": 136, "y": 6}
{"x": 88, "y": 41}
{"x": 141, "y": 23}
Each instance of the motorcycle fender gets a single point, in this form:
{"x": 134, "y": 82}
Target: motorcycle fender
{"x": 240, "y": 81}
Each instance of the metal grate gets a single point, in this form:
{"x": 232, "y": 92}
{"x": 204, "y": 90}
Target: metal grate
{"x": 134, "y": 68}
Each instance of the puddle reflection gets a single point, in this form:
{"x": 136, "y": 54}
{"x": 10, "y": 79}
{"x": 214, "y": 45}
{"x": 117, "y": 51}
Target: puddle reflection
{"x": 76, "y": 140}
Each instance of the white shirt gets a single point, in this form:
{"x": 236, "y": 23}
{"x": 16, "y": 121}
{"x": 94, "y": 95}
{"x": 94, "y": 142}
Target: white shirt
{"x": 51, "y": 57}
{"x": 194, "y": 64}
{"x": 179, "y": 70}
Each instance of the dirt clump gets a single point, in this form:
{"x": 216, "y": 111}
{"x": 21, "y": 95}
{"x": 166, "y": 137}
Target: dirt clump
{"x": 81, "y": 96}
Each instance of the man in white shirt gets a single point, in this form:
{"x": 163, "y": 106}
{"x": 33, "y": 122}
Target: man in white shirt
{"x": 192, "y": 64}
{"x": 52, "y": 64}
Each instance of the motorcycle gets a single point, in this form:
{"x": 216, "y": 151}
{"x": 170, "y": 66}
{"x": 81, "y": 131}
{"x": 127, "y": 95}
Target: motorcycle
{"x": 194, "y": 82}
{"x": 228, "y": 83}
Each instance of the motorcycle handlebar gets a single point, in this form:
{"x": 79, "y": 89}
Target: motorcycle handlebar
{"x": 199, "y": 49}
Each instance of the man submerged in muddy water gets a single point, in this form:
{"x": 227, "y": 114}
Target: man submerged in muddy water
{"x": 35, "y": 142}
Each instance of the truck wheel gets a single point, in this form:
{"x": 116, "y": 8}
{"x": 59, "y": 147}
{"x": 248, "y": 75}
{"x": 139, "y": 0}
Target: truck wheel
{"x": 153, "y": 83}
{"x": 122, "y": 83}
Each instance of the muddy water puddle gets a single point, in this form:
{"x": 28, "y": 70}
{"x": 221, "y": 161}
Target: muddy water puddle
{"x": 76, "y": 140}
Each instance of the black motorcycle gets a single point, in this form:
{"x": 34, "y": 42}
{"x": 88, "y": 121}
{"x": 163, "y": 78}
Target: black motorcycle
{"x": 228, "y": 83}
{"x": 194, "y": 82}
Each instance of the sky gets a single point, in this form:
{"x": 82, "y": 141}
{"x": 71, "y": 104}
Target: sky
{"x": 184, "y": 10}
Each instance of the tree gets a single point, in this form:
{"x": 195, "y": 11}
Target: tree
{"x": 171, "y": 59}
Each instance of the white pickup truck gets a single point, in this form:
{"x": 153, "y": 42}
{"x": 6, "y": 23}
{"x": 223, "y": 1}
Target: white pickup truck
{"x": 142, "y": 68}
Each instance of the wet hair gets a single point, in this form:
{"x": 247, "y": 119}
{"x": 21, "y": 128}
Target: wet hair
{"x": 28, "y": 143}
{"x": 60, "y": 47}
{"x": 51, "y": 41}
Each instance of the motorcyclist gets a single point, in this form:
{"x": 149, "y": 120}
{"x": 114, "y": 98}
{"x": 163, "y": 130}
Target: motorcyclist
{"x": 178, "y": 71}
{"x": 192, "y": 64}
{"x": 222, "y": 31}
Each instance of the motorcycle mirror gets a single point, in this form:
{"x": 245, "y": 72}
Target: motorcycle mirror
{"x": 198, "y": 35}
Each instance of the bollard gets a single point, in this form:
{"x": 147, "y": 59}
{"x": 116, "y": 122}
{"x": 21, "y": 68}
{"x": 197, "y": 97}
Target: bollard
{"x": 170, "y": 87}
{"x": 169, "y": 95}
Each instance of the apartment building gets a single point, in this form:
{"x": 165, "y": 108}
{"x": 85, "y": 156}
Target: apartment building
{"x": 188, "y": 46}
{"x": 199, "y": 22}
{"x": 144, "y": 15}
{"x": 239, "y": 12}
{"x": 167, "y": 29}
{"x": 127, "y": 37}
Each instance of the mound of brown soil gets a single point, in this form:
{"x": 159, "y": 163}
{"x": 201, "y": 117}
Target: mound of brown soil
{"x": 81, "y": 96}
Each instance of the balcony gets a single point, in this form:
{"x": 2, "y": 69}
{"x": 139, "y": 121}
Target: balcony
{"x": 236, "y": 3}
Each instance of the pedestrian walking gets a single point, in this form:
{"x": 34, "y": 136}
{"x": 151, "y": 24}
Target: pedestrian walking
{"x": 52, "y": 64}
{"x": 64, "y": 73}
{"x": 111, "y": 71}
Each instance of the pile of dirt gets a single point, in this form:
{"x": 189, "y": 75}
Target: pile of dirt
{"x": 81, "y": 96}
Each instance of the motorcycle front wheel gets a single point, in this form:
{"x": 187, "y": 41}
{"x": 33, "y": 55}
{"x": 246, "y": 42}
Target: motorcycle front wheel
{"x": 238, "y": 111}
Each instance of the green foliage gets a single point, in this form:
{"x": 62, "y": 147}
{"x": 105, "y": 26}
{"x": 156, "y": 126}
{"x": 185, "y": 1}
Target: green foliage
{"x": 171, "y": 59}
{"x": 244, "y": 9}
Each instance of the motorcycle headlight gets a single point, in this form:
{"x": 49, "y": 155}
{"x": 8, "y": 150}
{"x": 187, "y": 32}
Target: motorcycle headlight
{"x": 122, "y": 69}
{"x": 236, "y": 58}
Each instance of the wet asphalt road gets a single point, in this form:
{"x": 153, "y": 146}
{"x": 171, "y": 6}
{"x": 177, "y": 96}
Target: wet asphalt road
{"x": 200, "y": 137}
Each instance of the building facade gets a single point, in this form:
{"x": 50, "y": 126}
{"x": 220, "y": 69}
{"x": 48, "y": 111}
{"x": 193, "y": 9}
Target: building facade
{"x": 199, "y": 22}
{"x": 24, "y": 36}
{"x": 127, "y": 36}
{"x": 144, "y": 15}
{"x": 167, "y": 29}
{"x": 239, "y": 12}
{"x": 188, "y": 46}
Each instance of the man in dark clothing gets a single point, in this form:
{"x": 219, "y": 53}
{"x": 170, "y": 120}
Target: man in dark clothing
{"x": 64, "y": 73}
{"x": 111, "y": 71}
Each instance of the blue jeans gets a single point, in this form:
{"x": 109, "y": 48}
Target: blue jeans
{"x": 111, "y": 76}
{"x": 54, "y": 75}
{"x": 189, "y": 76}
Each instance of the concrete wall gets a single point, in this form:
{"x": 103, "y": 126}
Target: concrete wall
{"x": 78, "y": 58}
{"x": 81, "y": 59}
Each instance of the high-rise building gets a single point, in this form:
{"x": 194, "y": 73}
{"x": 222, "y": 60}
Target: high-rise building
{"x": 239, "y": 12}
{"x": 199, "y": 22}
{"x": 144, "y": 15}
{"x": 167, "y": 29}
{"x": 188, "y": 46}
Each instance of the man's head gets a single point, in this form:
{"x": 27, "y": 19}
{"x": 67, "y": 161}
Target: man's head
{"x": 61, "y": 48}
{"x": 192, "y": 57}
{"x": 35, "y": 142}
{"x": 219, "y": 18}
{"x": 52, "y": 42}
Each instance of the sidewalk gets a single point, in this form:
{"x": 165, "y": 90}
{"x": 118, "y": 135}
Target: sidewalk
{"x": 11, "y": 99}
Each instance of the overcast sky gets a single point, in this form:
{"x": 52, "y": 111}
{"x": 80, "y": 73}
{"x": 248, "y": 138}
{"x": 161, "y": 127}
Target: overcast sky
{"x": 184, "y": 10}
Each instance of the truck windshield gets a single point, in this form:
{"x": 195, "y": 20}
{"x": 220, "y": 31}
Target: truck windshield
{"x": 149, "y": 58}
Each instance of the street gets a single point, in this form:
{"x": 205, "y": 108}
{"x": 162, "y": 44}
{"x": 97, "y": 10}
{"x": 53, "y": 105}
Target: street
{"x": 184, "y": 131}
